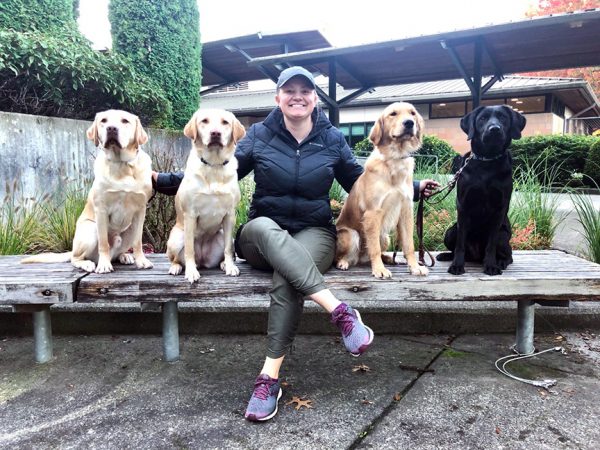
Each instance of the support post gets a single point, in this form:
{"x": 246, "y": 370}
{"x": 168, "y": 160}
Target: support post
{"x": 525, "y": 323}
{"x": 42, "y": 334}
{"x": 170, "y": 332}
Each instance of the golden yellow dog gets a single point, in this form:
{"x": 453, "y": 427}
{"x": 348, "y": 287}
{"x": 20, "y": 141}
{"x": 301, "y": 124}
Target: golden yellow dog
{"x": 113, "y": 218}
{"x": 381, "y": 198}
{"x": 207, "y": 197}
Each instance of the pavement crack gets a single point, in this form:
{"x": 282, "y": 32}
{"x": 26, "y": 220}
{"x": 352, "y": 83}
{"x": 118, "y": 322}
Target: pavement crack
{"x": 368, "y": 429}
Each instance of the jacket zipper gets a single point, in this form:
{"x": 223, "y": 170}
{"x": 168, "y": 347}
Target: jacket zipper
{"x": 297, "y": 180}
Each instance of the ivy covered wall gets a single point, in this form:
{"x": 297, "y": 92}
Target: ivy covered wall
{"x": 162, "y": 39}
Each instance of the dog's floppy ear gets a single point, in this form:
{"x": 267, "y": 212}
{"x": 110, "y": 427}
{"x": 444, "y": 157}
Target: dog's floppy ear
{"x": 376, "y": 134}
{"x": 140, "y": 134}
{"x": 467, "y": 123}
{"x": 191, "y": 128}
{"x": 238, "y": 130}
{"x": 420, "y": 126}
{"x": 517, "y": 123}
{"x": 92, "y": 132}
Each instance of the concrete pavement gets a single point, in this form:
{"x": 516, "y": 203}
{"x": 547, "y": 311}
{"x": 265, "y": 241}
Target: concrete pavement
{"x": 418, "y": 392}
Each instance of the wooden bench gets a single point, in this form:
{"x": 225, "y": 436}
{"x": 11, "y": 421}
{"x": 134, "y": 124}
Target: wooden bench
{"x": 535, "y": 276}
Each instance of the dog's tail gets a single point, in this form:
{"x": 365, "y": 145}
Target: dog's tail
{"x": 48, "y": 258}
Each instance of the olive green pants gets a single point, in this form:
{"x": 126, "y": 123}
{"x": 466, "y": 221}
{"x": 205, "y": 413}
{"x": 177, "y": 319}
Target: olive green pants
{"x": 298, "y": 262}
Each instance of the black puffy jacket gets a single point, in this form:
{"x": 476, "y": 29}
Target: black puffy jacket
{"x": 292, "y": 179}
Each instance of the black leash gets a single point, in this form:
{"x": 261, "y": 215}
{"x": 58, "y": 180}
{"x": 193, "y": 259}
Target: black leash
{"x": 420, "y": 208}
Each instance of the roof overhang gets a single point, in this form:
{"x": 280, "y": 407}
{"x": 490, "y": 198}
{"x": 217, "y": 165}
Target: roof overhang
{"x": 225, "y": 61}
{"x": 542, "y": 43}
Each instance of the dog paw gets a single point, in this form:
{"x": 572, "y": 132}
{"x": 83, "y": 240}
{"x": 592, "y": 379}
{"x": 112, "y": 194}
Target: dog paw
{"x": 88, "y": 266}
{"x": 126, "y": 258}
{"x": 143, "y": 263}
{"x": 191, "y": 274}
{"x": 503, "y": 263}
{"x": 446, "y": 256}
{"x": 419, "y": 270}
{"x": 342, "y": 264}
{"x": 175, "y": 269}
{"x": 456, "y": 270}
{"x": 230, "y": 269}
{"x": 104, "y": 267}
{"x": 492, "y": 270}
{"x": 382, "y": 273}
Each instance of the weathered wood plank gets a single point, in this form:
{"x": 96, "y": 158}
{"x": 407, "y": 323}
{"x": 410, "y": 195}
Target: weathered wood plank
{"x": 539, "y": 275}
{"x": 37, "y": 283}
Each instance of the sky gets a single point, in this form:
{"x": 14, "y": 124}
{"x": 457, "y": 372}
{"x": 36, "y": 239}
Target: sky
{"x": 342, "y": 22}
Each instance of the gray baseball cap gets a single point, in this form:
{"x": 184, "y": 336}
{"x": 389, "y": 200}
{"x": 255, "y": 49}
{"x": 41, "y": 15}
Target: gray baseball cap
{"x": 295, "y": 71}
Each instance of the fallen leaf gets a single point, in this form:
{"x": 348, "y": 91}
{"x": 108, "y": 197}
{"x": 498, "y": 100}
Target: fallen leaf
{"x": 285, "y": 384}
{"x": 497, "y": 430}
{"x": 397, "y": 396}
{"x": 300, "y": 402}
{"x": 367, "y": 402}
{"x": 361, "y": 368}
{"x": 559, "y": 338}
{"x": 543, "y": 393}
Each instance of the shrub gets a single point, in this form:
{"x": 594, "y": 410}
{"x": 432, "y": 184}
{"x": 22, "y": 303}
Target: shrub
{"x": 432, "y": 147}
{"x": 41, "y": 15}
{"x": 60, "y": 75}
{"x": 567, "y": 153}
{"x": 589, "y": 218}
{"x": 163, "y": 41}
{"x": 533, "y": 212}
{"x": 363, "y": 148}
{"x": 435, "y": 148}
{"x": 592, "y": 164}
{"x": 59, "y": 219}
{"x": 18, "y": 220}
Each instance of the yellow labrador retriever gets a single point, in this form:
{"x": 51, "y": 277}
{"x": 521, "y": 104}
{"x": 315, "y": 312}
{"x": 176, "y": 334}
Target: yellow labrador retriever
{"x": 381, "y": 198}
{"x": 112, "y": 221}
{"x": 207, "y": 197}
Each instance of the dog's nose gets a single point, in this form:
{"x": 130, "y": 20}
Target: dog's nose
{"x": 215, "y": 134}
{"x": 494, "y": 129}
{"x": 111, "y": 130}
{"x": 408, "y": 124}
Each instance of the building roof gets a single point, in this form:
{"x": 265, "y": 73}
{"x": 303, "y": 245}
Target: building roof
{"x": 225, "y": 61}
{"x": 575, "y": 93}
{"x": 540, "y": 43}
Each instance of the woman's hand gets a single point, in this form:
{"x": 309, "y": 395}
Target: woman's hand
{"x": 428, "y": 187}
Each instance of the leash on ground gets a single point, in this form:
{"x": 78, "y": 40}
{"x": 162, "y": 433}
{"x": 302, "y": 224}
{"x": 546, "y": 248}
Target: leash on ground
{"x": 546, "y": 384}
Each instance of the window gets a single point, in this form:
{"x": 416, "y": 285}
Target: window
{"x": 356, "y": 132}
{"x": 445, "y": 110}
{"x": 535, "y": 104}
{"x": 486, "y": 102}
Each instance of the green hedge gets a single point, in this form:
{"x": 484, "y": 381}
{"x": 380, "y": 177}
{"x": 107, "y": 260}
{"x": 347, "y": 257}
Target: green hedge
{"x": 37, "y": 15}
{"x": 432, "y": 146}
{"x": 592, "y": 164}
{"x": 60, "y": 75}
{"x": 562, "y": 155}
{"x": 163, "y": 41}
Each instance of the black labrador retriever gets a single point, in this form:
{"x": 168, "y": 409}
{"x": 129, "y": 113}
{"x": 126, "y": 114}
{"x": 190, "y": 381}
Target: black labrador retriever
{"x": 484, "y": 187}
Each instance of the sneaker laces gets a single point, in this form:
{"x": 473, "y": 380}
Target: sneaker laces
{"x": 262, "y": 388}
{"x": 345, "y": 322}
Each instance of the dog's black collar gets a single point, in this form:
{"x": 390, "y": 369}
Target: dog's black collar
{"x": 483, "y": 158}
{"x": 212, "y": 165}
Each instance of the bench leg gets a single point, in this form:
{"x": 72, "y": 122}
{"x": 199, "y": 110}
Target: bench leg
{"x": 525, "y": 317}
{"x": 170, "y": 332}
{"x": 42, "y": 335}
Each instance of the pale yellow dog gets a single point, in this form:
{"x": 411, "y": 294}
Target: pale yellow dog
{"x": 207, "y": 197}
{"x": 113, "y": 218}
